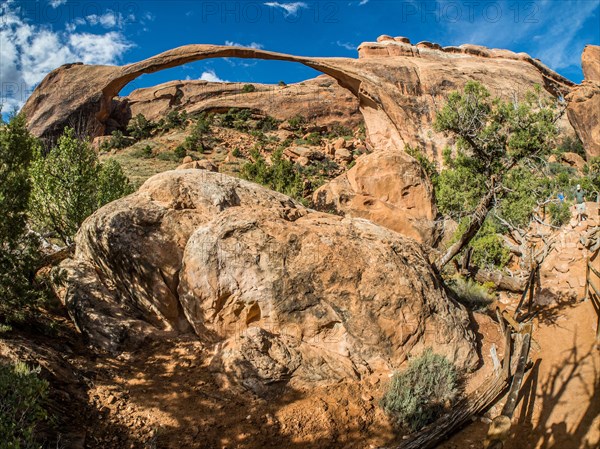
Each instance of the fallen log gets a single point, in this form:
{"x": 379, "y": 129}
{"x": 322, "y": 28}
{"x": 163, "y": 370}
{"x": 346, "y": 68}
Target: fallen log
{"x": 500, "y": 280}
{"x": 499, "y": 429}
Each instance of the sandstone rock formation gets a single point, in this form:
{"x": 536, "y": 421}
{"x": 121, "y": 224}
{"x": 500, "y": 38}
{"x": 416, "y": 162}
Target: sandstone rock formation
{"x": 399, "y": 86}
{"x": 590, "y": 62}
{"x": 321, "y": 100}
{"x": 387, "y": 187}
{"x": 265, "y": 282}
{"x": 584, "y": 102}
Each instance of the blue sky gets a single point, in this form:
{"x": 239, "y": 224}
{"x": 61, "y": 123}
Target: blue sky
{"x": 38, "y": 36}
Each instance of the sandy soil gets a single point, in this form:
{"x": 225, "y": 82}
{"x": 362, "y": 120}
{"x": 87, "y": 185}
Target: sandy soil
{"x": 559, "y": 405}
{"x": 167, "y": 395}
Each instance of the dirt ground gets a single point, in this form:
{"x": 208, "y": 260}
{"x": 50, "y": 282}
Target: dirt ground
{"x": 166, "y": 395}
{"x": 559, "y": 405}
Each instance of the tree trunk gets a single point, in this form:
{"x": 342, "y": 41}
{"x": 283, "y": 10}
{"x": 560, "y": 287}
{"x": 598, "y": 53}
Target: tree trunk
{"x": 477, "y": 220}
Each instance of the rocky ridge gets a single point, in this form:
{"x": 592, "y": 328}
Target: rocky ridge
{"x": 320, "y": 100}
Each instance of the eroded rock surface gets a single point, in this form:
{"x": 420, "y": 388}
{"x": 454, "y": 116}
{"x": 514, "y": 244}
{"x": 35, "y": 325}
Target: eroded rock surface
{"x": 279, "y": 291}
{"x": 390, "y": 189}
{"x": 321, "y": 100}
{"x": 584, "y": 102}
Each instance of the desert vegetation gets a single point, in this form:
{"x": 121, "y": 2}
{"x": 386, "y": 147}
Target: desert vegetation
{"x": 502, "y": 175}
{"x": 45, "y": 194}
{"x": 421, "y": 393}
{"x": 23, "y": 406}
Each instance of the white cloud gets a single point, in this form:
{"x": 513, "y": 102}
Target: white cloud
{"x": 346, "y": 45}
{"x": 254, "y": 45}
{"x": 289, "y": 9}
{"x": 57, "y": 3}
{"x": 363, "y": 2}
{"x": 29, "y": 52}
{"x": 108, "y": 20}
{"x": 98, "y": 49}
{"x": 211, "y": 76}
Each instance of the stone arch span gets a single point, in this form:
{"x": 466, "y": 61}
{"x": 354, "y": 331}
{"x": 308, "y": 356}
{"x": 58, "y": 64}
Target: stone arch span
{"x": 76, "y": 90}
{"x": 398, "y": 85}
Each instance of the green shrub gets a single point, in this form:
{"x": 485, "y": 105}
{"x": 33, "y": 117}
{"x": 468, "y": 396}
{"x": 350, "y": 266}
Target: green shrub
{"x": 268, "y": 123}
{"x": 459, "y": 187}
{"x": 314, "y": 139}
{"x": 144, "y": 153}
{"x": 173, "y": 120}
{"x": 18, "y": 249}
{"x": 489, "y": 250}
{"x": 338, "y": 130}
{"x": 167, "y": 156}
{"x": 571, "y": 144}
{"x": 140, "y": 128}
{"x": 236, "y": 119}
{"x": 236, "y": 152}
{"x": 66, "y": 187}
{"x": 180, "y": 152}
{"x": 282, "y": 175}
{"x": 470, "y": 293}
{"x": 17, "y": 147}
{"x": 297, "y": 122}
{"x": 281, "y": 84}
{"x": 112, "y": 183}
{"x": 116, "y": 141}
{"x": 23, "y": 398}
{"x": 319, "y": 172}
{"x": 560, "y": 213}
{"x": 191, "y": 143}
{"x": 248, "y": 88}
{"x": 421, "y": 393}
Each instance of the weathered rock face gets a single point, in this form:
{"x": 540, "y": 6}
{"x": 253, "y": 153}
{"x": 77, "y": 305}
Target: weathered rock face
{"x": 584, "y": 103}
{"x": 266, "y": 281}
{"x": 321, "y": 100}
{"x": 399, "y": 86}
{"x": 590, "y": 62}
{"x": 387, "y": 187}
{"x": 136, "y": 244}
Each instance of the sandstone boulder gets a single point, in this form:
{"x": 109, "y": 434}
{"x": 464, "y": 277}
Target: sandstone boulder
{"x": 388, "y": 188}
{"x": 265, "y": 282}
{"x": 135, "y": 245}
{"x": 573, "y": 159}
{"x": 344, "y": 155}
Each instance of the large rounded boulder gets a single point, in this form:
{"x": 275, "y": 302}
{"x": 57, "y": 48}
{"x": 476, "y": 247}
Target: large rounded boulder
{"x": 280, "y": 292}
